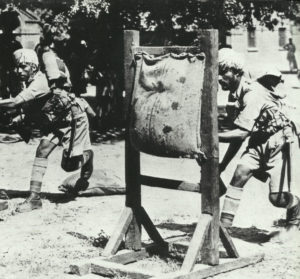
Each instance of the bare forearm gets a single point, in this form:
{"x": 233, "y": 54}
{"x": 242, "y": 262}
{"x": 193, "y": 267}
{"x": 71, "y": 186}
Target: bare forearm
{"x": 90, "y": 112}
{"x": 231, "y": 151}
{"x": 7, "y": 103}
{"x": 11, "y": 102}
{"x": 233, "y": 135}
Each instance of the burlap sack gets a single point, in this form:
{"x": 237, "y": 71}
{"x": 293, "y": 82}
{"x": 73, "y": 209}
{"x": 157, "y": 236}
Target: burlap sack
{"x": 166, "y": 105}
{"x": 102, "y": 183}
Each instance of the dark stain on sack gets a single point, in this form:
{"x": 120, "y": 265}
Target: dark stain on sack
{"x": 160, "y": 87}
{"x": 175, "y": 105}
{"x": 182, "y": 79}
{"x": 167, "y": 129}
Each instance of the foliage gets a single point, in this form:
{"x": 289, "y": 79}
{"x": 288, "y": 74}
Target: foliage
{"x": 89, "y": 8}
{"x": 185, "y": 14}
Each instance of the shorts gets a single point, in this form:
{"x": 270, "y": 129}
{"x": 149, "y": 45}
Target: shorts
{"x": 271, "y": 159}
{"x": 81, "y": 141}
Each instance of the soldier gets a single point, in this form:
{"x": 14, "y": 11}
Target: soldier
{"x": 63, "y": 120}
{"x": 50, "y": 63}
{"x": 291, "y": 49}
{"x": 259, "y": 116}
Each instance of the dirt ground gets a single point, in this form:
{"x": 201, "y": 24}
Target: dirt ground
{"x": 43, "y": 243}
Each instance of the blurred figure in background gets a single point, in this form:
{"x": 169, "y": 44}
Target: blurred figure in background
{"x": 51, "y": 64}
{"x": 291, "y": 49}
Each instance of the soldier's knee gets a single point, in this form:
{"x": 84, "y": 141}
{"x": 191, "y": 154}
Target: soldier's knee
{"x": 242, "y": 171}
{"x": 241, "y": 175}
{"x": 279, "y": 199}
{"x": 44, "y": 149}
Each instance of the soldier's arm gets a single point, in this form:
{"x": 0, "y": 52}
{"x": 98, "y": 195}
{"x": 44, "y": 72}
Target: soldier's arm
{"x": 90, "y": 112}
{"x": 231, "y": 151}
{"x": 11, "y": 102}
{"x": 234, "y": 135}
{"x": 235, "y": 138}
{"x": 88, "y": 109}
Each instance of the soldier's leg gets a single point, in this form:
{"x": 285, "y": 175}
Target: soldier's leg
{"x": 38, "y": 171}
{"x": 234, "y": 194}
{"x": 85, "y": 162}
{"x": 289, "y": 201}
{"x": 248, "y": 163}
{"x": 280, "y": 193}
{"x": 82, "y": 146}
{"x": 88, "y": 157}
{"x": 88, "y": 164}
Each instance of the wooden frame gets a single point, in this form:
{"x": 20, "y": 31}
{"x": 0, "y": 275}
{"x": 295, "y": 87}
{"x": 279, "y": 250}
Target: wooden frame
{"x": 205, "y": 240}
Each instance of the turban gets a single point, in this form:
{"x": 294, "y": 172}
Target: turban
{"x": 229, "y": 59}
{"x": 26, "y": 56}
{"x": 269, "y": 71}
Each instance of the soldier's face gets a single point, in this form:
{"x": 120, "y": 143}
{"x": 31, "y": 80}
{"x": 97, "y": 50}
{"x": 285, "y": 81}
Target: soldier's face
{"x": 24, "y": 71}
{"x": 229, "y": 80}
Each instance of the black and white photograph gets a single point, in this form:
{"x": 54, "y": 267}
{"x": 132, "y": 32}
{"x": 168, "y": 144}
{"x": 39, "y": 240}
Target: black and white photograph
{"x": 149, "y": 139}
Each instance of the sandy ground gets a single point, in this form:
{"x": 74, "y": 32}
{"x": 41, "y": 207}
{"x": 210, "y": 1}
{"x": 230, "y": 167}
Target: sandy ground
{"x": 42, "y": 243}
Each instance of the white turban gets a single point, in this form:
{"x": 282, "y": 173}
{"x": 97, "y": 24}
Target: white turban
{"x": 230, "y": 59}
{"x": 26, "y": 56}
{"x": 269, "y": 71}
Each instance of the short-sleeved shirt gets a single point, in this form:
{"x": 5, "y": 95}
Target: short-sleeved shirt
{"x": 251, "y": 97}
{"x": 54, "y": 67}
{"x": 37, "y": 88}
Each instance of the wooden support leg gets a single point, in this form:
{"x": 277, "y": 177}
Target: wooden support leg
{"x": 119, "y": 233}
{"x": 196, "y": 242}
{"x": 133, "y": 238}
{"x": 227, "y": 243}
{"x": 150, "y": 228}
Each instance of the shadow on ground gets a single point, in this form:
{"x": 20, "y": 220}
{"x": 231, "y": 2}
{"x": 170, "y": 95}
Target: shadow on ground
{"x": 111, "y": 135}
{"x": 52, "y": 197}
{"x": 252, "y": 234}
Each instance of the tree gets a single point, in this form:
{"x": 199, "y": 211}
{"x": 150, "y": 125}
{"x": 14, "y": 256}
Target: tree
{"x": 100, "y": 22}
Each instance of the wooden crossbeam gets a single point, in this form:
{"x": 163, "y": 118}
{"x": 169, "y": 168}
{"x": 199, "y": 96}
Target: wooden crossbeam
{"x": 161, "y": 50}
{"x": 124, "y": 257}
{"x": 110, "y": 269}
{"x": 129, "y": 256}
{"x": 170, "y": 183}
{"x": 205, "y": 272}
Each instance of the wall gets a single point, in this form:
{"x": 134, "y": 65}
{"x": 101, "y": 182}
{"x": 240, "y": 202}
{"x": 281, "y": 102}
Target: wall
{"x": 267, "y": 45}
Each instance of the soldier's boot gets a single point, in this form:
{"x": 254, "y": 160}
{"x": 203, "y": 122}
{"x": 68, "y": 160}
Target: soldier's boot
{"x": 34, "y": 200}
{"x": 3, "y": 200}
{"x": 31, "y": 203}
{"x": 293, "y": 217}
{"x": 86, "y": 172}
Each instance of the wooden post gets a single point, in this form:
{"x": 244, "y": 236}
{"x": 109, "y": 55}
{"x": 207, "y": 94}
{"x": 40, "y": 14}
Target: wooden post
{"x": 130, "y": 38}
{"x": 132, "y": 156}
{"x": 208, "y": 40}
